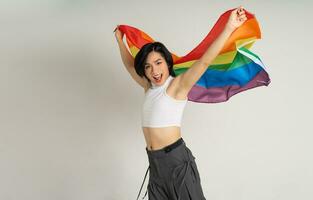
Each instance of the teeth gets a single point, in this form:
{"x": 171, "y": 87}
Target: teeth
{"x": 157, "y": 77}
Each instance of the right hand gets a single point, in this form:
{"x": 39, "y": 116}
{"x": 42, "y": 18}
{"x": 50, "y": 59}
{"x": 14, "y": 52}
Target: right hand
{"x": 236, "y": 18}
{"x": 118, "y": 33}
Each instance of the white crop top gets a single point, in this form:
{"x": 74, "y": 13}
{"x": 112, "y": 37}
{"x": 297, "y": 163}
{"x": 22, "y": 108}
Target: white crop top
{"x": 160, "y": 109}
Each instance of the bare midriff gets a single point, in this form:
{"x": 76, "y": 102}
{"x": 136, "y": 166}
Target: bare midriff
{"x": 158, "y": 138}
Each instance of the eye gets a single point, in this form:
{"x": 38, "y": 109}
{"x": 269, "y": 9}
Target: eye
{"x": 159, "y": 63}
{"x": 147, "y": 66}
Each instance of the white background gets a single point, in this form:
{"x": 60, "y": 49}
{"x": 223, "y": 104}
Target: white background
{"x": 70, "y": 112}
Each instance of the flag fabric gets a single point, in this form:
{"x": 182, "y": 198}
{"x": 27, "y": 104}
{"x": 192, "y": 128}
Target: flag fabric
{"x": 235, "y": 69}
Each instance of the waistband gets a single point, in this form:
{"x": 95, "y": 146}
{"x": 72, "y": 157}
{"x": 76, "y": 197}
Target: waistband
{"x": 165, "y": 150}
{"x": 160, "y": 153}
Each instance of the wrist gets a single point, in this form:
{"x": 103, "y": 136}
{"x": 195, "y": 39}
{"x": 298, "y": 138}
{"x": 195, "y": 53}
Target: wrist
{"x": 229, "y": 28}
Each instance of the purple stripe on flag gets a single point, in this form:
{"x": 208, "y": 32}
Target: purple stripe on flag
{"x": 220, "y": 94}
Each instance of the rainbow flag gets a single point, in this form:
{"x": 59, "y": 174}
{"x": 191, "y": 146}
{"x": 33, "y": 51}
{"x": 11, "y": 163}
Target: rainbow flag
{"x": 234, "y": 70}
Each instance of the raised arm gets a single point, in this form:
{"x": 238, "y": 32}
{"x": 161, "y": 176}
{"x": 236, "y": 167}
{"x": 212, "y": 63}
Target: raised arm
{"x": 128, "y": 60}
{"x": 196, "y": 70}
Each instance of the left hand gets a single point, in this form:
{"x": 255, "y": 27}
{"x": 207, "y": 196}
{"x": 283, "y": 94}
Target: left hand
{"x": 118, "y": 33}
{"x": 236, "y": 18}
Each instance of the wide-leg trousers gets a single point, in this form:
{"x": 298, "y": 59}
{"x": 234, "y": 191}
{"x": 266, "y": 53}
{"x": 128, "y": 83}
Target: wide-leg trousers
{"x": 173, "y": 174}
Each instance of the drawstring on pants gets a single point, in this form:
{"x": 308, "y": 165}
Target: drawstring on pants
{"x": 143, "y": 184}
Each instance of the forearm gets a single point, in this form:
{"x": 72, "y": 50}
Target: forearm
{"x": 216, "y": 46}
{"x": 127, "y": 58}
{"x": 192, "y": 75}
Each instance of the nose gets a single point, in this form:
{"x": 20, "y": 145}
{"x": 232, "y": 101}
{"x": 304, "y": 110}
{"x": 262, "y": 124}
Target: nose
{"x": 154, "y": 68}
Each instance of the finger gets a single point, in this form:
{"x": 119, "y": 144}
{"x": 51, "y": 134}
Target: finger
{"x": 117, "y": 26}
{"x": 242, "y": 15}
{"x": 236, "y": 10}
{"x": 242, "y": 19}
{"x": 240, "y": 10}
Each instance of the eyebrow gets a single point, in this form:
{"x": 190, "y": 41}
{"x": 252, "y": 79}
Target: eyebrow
{"x": 154, "y": 61}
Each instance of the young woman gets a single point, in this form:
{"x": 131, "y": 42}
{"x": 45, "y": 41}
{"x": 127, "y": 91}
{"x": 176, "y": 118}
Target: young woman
{"x": 173, "y": 171}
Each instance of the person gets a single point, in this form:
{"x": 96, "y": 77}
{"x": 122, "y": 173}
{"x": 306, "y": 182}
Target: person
{"x": 173, "y": 170}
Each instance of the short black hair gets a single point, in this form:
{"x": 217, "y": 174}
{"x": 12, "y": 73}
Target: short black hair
{"x": 141, "y": 57}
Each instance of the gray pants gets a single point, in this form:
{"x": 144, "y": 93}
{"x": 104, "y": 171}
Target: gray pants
{"x": 173, "y": 174}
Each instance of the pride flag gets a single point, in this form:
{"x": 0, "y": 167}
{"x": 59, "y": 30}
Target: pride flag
{"x": 234, "y": 70}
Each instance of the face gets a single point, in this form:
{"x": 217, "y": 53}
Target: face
{"x": 156, "y": 68}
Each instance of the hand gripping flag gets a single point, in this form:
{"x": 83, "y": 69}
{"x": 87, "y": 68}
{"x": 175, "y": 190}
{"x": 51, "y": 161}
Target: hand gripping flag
{"x": 235, "y": 69}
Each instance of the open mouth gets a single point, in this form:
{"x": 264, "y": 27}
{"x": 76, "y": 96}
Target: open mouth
{"x": 158, "y": 78}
